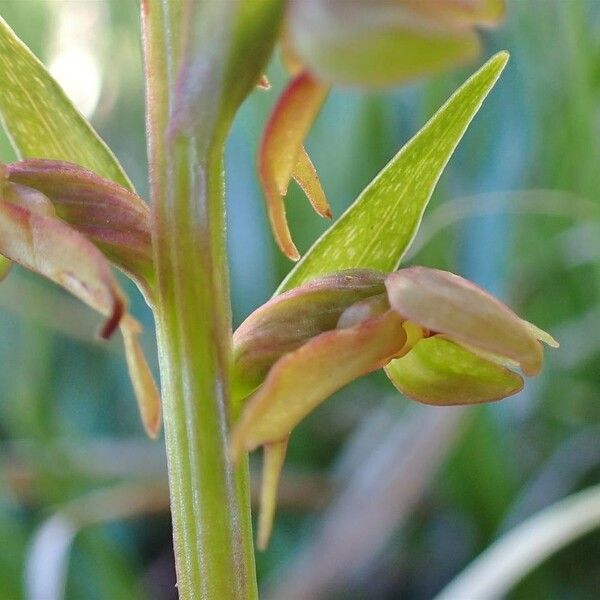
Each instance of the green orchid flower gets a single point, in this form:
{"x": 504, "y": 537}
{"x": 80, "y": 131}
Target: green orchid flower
{"x": 439, "y": 338}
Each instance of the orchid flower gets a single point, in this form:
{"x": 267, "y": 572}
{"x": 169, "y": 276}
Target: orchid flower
{"x": 439, "y": 338}
{"x": 375, "y": 43}
{"x": 65, "y": 223}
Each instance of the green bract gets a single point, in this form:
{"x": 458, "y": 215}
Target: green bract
{"x": 377, "y": 229}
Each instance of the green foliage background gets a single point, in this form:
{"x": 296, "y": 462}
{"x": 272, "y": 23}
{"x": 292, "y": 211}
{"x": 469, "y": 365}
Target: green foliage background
{"x": 68, "y": 422}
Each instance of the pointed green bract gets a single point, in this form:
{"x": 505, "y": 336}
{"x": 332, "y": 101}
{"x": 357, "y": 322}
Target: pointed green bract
{"x": 438, "y": 371}
{"x": 378, "y": 228}
{"x": 40, "y": 120}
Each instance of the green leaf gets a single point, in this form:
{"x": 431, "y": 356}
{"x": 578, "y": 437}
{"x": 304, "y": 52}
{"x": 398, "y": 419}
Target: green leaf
{"x": 378, "y": 228}
{"x": 438, "y": 371}
{"x": 39, "y": 118}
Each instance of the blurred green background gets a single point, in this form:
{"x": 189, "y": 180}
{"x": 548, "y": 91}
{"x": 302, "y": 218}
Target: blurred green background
{"x": 380, "y": 498}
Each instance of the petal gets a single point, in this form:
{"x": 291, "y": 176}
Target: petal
{"x": 304, "y": 378}
{"x": 441, "y": 372}
{"x": 281, "y": 148}
{"x": 288, "y": 321}
{"x": 116, "y": 220}
{"x": 445, "y": 303}
{"x": 273, "y": 458}
{"x": 306, "y": 177}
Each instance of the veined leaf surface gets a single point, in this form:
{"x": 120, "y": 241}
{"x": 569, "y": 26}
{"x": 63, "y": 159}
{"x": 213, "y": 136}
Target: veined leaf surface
{"x": 40, "y": 120}
{"x": 378, "y": 228}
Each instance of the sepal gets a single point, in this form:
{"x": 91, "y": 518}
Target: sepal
{"x": 31, "y": 236}
{"x": 288, "y": 321}
{"x": 115, "y": 219}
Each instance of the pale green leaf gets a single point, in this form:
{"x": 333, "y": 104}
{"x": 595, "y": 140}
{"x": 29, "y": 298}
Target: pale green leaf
{"x": 40, "y": 120}
{"x": 378, "y": 228}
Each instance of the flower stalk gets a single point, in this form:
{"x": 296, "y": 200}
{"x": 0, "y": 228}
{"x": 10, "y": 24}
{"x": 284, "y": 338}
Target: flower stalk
{"x": 209, "y": 496}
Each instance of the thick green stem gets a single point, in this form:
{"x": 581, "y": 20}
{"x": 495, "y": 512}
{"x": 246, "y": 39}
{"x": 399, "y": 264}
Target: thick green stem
{"x": 209, "y": 498}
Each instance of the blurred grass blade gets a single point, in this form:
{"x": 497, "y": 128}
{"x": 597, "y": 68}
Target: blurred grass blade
{"x": 47, "y": 560}
{"x": 40, "y": 120}
{"x": 378, "y": 228}
{"x": 438, "y": 371}
{"x": 502, "y": 565}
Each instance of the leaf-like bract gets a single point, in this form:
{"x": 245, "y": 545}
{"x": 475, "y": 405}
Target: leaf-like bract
{"x": 378, "y": 228}
{"x": 39, "y": 118}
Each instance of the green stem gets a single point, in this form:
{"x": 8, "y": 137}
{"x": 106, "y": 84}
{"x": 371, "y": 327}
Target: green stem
{"x": 209, "y": 497}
